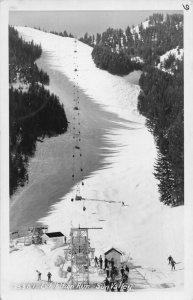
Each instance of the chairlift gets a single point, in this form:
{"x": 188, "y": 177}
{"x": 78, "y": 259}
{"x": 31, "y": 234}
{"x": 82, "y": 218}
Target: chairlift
{"x": 78, "y": 198}
{"x": 77, "y": 147}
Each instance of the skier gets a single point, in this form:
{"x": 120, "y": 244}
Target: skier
{"x": 39, "y": 275}
{"x": 170, "y": 259}
{"x": 49, "y": 276}
{"x": 122, "y": 271}
{"x": 107, "y": 270}
{"x": 125, "y": 282}
{"x": 112, "y": 282}
{"x": 110, "y": 270}
{"x": 107, "y": 284}
{"x": 127, "y": 269}
{"x": 101, "y": 261}
{"x": 65, "y": 239}
{"x": 96, "y": 261}
{"x": 106, "y": 263}
{"x": 173, "y": 264}
{"x": 112, "y": 262}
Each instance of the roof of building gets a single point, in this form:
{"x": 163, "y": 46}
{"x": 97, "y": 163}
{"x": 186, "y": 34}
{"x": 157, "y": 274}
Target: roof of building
{"x": 114, "y": 250}
{"x": 54, "y": 234}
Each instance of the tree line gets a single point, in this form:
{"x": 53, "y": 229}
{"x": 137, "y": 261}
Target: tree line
{"x": 161, "y": 101}
{"x": 34, "y": 113}
{"x": 61, "y": 33}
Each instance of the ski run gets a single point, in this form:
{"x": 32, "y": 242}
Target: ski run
{"x": 145, "y": 230}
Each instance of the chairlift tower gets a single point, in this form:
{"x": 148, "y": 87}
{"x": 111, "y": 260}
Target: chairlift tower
{"x": 80, "y": 249}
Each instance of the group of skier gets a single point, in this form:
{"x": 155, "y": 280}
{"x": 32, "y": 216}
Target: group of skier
{"x": 117, "y": 279}
{"x": 103, "y": 264}
{"x": 49, "y": 275}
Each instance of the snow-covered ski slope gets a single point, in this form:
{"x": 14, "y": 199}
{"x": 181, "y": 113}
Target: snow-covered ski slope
{"x": 145, "y": 230}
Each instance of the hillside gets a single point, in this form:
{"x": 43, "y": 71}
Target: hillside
{"x": 30, "y": 107}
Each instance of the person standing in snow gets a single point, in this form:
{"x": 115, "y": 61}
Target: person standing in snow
{"x": 107, "y": 284}
{"x": 122, "y": 271}
{"x": 107, "y": 271}
{"x": 101, "y": 262}
{"x": 125, "y": 282}
{"x": 39, "y": 275}
{"x": 106, "y": 263}
{"x": 96, "y": 261}
{"x": 127, "y": 269}
{"x": 112, "y": 262}
{"x": 49, "y": 276}
{"x": 65, "y": 239}
{"x": 110, "y": 270}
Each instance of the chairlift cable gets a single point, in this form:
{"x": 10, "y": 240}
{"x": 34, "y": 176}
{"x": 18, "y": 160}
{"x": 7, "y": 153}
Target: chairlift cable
{"x": 77, "y": 151}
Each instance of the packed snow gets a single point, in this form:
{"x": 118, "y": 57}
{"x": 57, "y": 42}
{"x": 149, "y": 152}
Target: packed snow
{"x": 145, "y": 230}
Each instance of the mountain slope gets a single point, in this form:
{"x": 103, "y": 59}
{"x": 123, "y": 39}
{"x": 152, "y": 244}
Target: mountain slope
{"x": 145, "y": 229}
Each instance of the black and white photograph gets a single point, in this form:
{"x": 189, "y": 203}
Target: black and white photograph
{"x": 96, "y": 152}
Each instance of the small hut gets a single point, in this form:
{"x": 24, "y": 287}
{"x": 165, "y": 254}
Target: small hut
{"x": 55, "y": 238}
{"x": 115, "y": 254}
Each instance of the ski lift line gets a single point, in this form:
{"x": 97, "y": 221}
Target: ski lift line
{"x": 80, "y": 198}
{"x": 98, "y": 200}
{"x": 77, "y": 122}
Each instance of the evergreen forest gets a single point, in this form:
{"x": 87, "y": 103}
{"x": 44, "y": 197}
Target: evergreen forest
{"x": 120, "y": 52}
{"x": 161, "y": 101}
{"x": 34, "y": 112}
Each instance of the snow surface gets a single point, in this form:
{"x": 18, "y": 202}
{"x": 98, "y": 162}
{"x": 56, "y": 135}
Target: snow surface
{"x": 147, "y": 231}
{"x": 136, "y": 28}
